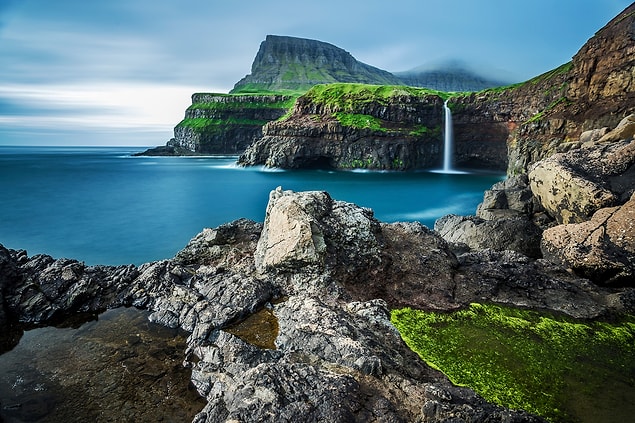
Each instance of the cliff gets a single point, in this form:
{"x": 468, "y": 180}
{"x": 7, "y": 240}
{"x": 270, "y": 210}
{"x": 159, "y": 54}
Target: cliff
{"x": 501, "y": 128}
{"x": 350, "y": 126}
{"x": 297, "y": 64}
{"x": 223, "y": 123}
{"x": 550, "y": 113}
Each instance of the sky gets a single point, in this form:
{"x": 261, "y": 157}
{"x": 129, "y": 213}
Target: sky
{"x": 121, "y": 72}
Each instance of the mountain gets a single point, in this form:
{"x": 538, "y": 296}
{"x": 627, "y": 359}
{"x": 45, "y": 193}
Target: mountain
{"x": 290, "y": 63}
{"x": 448, "y": 76}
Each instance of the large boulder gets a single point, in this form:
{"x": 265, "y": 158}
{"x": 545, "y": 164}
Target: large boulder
{"x": 601, "y": 249}
{"x": 515, "y": 233}
{"x": 311, "y": 229}
{"x": 572, "y": 186}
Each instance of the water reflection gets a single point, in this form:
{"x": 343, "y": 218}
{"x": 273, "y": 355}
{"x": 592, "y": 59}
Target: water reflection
{"x": 120, "y": 367}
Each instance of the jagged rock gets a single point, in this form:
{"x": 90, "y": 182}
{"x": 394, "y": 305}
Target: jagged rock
{"x": 335, "y": 355}
{"x": 510, "y": 197}
{"x": 601, "y": 249}
{"x": 515, "y": 233}
{"x": 508, "y": 277}
{"x": 572, "y": 186}
{"x": 300, "y": 228}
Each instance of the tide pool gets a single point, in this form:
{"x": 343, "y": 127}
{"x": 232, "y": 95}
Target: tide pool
{"x": 105, "y": 206}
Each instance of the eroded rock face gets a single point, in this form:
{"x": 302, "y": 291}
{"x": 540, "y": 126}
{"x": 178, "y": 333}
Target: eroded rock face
{"x": 572, "y": 186}
{"x": 312, "y": 136}
{"x": 335, "y": 356}
{"x": 602, "y": 248}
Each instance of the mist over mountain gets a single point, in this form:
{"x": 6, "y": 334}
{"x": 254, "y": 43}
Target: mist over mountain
{"x": 290, "y": 63}
{"x": 452, "y": 75}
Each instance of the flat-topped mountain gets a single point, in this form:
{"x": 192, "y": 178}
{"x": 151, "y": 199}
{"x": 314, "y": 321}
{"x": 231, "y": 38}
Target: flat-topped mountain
{"x": 290, "y": 63}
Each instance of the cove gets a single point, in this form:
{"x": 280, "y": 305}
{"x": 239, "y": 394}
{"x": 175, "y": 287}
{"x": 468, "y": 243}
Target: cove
{"x": 120, "y": 367}
{"x": 104, "y": 206}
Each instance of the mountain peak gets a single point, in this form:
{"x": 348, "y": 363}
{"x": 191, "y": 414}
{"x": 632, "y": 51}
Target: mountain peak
{"x": 290, "y": 63}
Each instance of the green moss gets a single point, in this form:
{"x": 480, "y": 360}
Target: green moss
{"x": 359, "y": 121}
{"x": 241, "y": 105}
{"x": 347, "y": 97}
{"x": 420, "y": 130}
{"x": 542, "y": 363}
{"x": 207, "y": 124}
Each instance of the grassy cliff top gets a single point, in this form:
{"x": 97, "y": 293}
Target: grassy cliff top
{"x": 343, "y": 95}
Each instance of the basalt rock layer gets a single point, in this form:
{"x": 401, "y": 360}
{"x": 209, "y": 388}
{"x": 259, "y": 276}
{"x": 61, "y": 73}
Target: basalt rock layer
{"x": 223, "y": 124}
{"x": 350, "y": 126}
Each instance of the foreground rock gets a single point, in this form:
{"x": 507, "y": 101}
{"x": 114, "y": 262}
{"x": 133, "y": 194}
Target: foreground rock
{"x": 324, "y": 273}
{"x": 602, "y": 248}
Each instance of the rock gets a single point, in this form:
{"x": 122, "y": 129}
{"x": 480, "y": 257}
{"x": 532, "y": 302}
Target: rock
{"x": 574, "y": 185}
{"x": 312, "y": 230}
{"x": 623, "y": 131}
{"x": 514, "y": 233}
{"x": 512, "y": 195}
{"x": 326, "y": 273}
{"x": 565, "y": 194}
{"x": 292, "y": 236}
{"x": 508, "y": 277}
{"x": 601, "y": 249}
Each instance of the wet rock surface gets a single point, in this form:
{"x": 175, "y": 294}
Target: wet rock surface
{"x": 117, "y": 368}
{"x": 324, "y": 273}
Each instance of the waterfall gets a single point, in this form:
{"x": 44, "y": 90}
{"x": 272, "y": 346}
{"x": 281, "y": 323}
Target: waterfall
{"x": 448, "y": 141}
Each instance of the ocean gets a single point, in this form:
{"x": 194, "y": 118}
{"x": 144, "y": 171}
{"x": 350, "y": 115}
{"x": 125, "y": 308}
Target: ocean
{"x": 102, "y": 205}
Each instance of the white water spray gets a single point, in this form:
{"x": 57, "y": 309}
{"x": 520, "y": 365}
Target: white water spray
{"x": 448, "y": 140}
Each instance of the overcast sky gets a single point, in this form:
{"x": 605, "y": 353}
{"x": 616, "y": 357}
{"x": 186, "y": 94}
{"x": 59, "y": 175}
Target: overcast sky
{"x": 121, "y": 72}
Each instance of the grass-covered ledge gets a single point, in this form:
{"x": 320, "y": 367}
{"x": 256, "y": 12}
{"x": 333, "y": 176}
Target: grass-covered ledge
{"x": 549, "y": 365}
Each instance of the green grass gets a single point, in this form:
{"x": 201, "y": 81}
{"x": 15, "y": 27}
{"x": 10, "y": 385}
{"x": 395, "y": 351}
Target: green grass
{"x": 556, "y": 367}
{"x": 203, "y": 124}
{"x": 241, "y": 105}
{"x": 347, "y": 97}
{"x": 359, "y": 121}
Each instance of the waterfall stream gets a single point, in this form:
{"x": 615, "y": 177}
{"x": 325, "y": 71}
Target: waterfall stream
{"x": 448, "y": 140}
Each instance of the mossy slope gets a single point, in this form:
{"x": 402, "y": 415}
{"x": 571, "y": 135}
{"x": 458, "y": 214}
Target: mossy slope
{"x": 559, "y": 368}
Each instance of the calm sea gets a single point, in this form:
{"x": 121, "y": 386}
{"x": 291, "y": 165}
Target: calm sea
{"x": 104, "y": 206}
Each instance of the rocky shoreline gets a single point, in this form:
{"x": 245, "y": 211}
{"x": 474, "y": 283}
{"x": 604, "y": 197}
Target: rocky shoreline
{"x": 327, "y": 273}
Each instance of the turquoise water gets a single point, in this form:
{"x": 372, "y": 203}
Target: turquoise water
{"x": 104, "y": 206}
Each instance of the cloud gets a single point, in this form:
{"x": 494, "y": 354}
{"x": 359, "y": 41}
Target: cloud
{"x": 92, "y": 62}
{"x": 97, "y": 108}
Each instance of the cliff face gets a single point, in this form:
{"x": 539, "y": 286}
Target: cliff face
{"x": 550, "y": 113}
{"x": 289, "y": 63}
{"x": 351, "y": 126}
{"x": 226, "y": 124}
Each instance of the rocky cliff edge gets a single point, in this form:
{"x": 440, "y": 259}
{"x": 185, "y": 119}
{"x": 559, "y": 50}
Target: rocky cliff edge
{"x": 317, "y": 278}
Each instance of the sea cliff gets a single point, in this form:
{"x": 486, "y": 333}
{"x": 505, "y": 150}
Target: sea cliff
{"x": 319, "y": 276}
